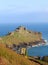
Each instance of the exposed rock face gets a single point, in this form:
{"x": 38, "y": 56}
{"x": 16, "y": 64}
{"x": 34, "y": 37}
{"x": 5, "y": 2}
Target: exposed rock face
{"x": 20, "y": 29}
{"x": 26, "y": 32}
{"x": 10, "y": 33}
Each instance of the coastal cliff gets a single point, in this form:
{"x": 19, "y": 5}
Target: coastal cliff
{"x": 21, "y": 35}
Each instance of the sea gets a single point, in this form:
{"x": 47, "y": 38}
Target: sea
{"x": 39, "y": 27}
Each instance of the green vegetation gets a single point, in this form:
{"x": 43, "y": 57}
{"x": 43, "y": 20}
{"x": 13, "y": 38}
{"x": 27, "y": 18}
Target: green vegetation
{"x": 21, "y": 35}
{"x": 12, "y": 58}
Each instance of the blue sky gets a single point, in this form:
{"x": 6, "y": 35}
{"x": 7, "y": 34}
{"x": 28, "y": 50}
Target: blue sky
{"x": 23, "y": 11}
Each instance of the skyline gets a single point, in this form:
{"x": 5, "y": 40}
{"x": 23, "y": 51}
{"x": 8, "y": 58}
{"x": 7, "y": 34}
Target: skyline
{"x": 12, "y": 11}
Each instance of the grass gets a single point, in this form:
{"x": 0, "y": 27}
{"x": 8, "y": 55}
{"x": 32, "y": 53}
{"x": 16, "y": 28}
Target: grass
{"x": 13, "y": 58}
{"x": 17, "y": 37}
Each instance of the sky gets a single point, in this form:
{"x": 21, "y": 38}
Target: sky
{"x": 23, "y": 11}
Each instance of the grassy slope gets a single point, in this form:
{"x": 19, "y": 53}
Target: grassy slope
{"x": 17, "y": 37}
{"x": 10, "y": 57}
{"x": 4, "y": 61}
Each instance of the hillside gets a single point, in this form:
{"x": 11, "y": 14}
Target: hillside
{"x": 9, "y": 57}
{"x": 21, "y": 35}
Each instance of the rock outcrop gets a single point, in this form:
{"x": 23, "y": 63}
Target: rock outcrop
{"x": 21, "y": 35}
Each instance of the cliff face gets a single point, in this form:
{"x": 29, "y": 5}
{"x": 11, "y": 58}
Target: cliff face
{"x": 20, "y": 35}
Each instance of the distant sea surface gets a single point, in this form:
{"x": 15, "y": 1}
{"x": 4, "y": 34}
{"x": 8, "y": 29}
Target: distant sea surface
{"x": 43, "y": 28}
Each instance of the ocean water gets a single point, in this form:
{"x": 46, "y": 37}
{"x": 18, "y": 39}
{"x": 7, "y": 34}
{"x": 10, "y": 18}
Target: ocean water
{"x": 38, "y": 51}
{"x": 43, "y": 28}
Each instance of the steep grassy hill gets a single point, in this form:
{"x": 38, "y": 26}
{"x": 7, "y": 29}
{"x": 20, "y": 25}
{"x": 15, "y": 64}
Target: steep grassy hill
{"x": 9, "y": 57}
{"x": 20, "y": 35}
